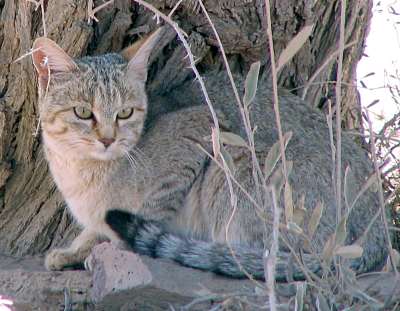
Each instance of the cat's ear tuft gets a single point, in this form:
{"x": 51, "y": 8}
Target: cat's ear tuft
{"x": 48, "y": 58}
{"x": 138, "y": 54}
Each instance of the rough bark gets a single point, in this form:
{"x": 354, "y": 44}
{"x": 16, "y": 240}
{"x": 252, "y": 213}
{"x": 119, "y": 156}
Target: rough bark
{"x": 32, "y": 214}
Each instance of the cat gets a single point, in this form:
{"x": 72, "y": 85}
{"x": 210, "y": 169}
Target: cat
{"x": 148, "y": 182}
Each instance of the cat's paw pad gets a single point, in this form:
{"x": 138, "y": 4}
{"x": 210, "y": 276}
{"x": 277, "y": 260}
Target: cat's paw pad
{"x": 57, "y": 259}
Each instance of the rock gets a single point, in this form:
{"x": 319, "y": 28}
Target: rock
{"x": 115, "y": 270}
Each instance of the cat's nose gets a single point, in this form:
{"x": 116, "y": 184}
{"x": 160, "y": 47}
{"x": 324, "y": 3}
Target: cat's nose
{"x": 106, "y": 141}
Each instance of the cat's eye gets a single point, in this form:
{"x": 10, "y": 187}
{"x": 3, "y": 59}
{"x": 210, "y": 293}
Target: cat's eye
{"x": 83, "y": 113}
{"x": 125, "y": 113}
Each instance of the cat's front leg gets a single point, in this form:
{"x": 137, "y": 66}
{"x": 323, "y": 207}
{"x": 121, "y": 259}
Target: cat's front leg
{"x": 76, "y": 254}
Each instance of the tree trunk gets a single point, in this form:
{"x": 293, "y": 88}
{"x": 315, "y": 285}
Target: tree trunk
{"x": 32, "y": 213}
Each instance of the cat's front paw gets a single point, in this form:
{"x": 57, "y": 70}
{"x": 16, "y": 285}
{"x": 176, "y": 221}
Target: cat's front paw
{"x": 88, "y": 263}
{"x": 58, "y": 259}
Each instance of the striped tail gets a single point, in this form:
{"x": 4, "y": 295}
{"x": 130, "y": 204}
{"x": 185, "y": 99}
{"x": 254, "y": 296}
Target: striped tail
{"x": 147, "y": 237}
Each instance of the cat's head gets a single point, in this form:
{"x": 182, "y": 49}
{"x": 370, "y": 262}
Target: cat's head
{"x": 94, "y": 107}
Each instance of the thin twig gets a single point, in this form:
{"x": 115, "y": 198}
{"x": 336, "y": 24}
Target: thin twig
{"x": 67, "y": 296}
{"x": 233, "y": 178}
{"x": 174, "y": 8}
{"x": 275, "y": 88}
{"x": 40, "y": 3}
{"x": 269, "y": 221}
{"x": 26, "y": 55}
{"x": 328, "y": 60}
{"x": 227, "y": 227}
{"x": 271, "y": 261}
{"x": 92, "y": 12}
{"x": 214, "y": 296}
{"x": 181, "y": 34}
{"x": 36, "y": 3}
{"x": 245, "y": 119}
{"x": 271, "y": 256}
{"x": 339, "y": 113}
{"x": 43, "y": 18}
{"x": 381, "y": 196}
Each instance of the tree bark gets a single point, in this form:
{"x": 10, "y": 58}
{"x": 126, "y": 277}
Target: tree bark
{"x": 32, "y": 213}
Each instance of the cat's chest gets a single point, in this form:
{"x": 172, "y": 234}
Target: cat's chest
{"x": 90, "y": 191}
{"x": 85, "y": 192}
{"x": 75, "y": 181}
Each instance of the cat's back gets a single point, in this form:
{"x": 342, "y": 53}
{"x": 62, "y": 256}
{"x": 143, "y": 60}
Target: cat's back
{"x": 308, "y": 125}
{"x": 309, "y": 149}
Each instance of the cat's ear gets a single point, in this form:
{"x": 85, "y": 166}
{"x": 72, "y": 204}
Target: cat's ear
{"x": 48, "y": 58}
{"x": 138, "y": 55}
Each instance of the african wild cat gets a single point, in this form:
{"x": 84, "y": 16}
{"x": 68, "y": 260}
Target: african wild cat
{"x": 175, "y": 198}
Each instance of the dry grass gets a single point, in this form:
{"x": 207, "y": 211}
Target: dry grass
{"x": 328, "y": 291}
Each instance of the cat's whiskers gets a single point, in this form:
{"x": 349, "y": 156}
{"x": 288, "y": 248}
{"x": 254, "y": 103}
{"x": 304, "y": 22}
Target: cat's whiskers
{"x": 134, "y": 153}
{"x": 139, "y": 164}
{"x": 132, "y": 161}
{"x": 77, "y": 142}
{"x": 140, "y": 158}
{"x": 140, "y": 155}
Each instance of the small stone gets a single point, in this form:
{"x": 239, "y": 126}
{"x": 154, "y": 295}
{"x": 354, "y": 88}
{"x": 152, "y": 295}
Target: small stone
{"x": 115, "y": 270}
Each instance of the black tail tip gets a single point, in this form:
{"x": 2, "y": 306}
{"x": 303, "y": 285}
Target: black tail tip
{"x": 126, "y": 225}
{"x": 117, "y": 220}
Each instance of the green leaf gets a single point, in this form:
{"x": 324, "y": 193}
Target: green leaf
{"x": 272, "y": 158}
{"x": 289, "y": 167}
{"x": 277, "y": 180}
{"x": 274, "y": 154}
{"x": 232, "y": 139}
{"x": 227, "y": 158}
{"x": 215, "y": 142}
{"x": 341, "y": 232}
{"x": 301, "y": 203}
{"x": 250, "y": 85}
{"x": 292, "y": 226}
{"x": 350, "y": 182}
{"x": 294, "y": 46}
{"x": 329, "y": 247}
{"x": 349, "y": 251}
{"x": 288, "y": 199}
{"x": 315, "y": 219}
{"x": 298, "y": 215}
